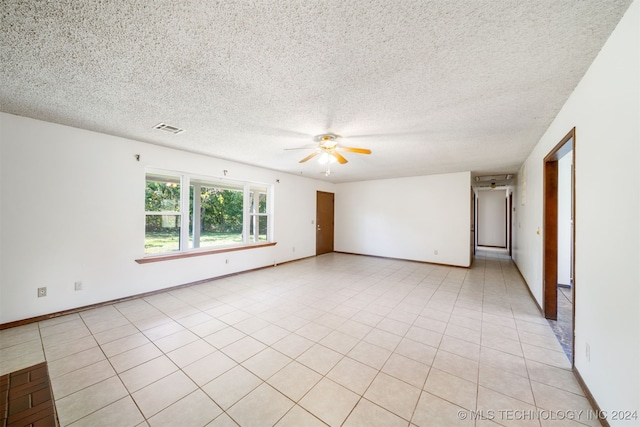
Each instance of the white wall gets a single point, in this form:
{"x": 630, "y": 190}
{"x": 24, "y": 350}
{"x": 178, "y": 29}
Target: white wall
{"x": 73, "y": 209}
{"x": 492, "y": 218}
{"x": 408, "y": 218}
{"x": 604, "y": 109}
{"x": 565, "y": 236}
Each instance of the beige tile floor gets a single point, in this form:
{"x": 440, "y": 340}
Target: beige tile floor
{"x": 333, "y": 340}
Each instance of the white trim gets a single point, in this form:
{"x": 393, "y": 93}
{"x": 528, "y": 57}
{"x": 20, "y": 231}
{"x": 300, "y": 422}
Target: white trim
{"x": 219, "y": 183}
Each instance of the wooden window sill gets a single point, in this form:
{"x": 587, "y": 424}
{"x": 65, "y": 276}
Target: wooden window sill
{"x": 167, "y": 257}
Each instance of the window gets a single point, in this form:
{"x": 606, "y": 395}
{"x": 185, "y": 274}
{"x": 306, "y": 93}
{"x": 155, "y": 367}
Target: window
{"x": 216, "y": 214}
{"x": 258, "y": 218}
{"x": 213, "y": 213}
{"x": 162, "y": 214}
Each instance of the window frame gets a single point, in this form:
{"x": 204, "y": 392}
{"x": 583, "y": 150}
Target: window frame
{"x": 208, "y": 182}
{"x": 256, "y": 215}
{"x": 179, "y": 213}
{"x": 186, "y": 181}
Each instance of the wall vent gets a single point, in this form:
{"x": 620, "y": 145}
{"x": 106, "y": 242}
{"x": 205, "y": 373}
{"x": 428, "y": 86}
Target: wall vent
{"x": 488, "y": 178}
{"x": 168, "y": 128}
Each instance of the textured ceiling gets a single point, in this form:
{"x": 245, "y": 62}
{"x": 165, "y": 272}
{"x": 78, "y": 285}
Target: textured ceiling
{"x": 429, "y": 86}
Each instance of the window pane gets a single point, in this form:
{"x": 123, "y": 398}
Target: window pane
{"x": 258, "y": 229}
{"x": 162, "y": 234}
{"x": 220, "y": 213}
{"x": 162, "y": 194}
{"x": 258, "y": 198}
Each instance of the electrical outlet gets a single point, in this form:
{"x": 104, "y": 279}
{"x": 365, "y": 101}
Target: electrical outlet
{"x": 588, "y": 352}
{"x": 435, "y": 252}
{"x": 78, "y": 285}
{"x": 294, "y": 249}
{"x": 226, "y": 261}
{"x": 42, "y": 292}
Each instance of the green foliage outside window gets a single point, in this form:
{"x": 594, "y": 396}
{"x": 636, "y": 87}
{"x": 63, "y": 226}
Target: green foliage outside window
{"x": 162, "y": 197}
{"x": 221, "y": 218}
{"x": 220, "y": 210}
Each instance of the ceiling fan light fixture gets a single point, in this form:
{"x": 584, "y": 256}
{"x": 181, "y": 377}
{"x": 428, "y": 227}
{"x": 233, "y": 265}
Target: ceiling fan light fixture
{"x": 328, "y": 151}
{"x": 326, "y": 158}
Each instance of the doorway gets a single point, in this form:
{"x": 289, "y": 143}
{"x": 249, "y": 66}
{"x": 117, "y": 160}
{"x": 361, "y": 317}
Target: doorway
{"x": 324, "y": 222}
{"x": 510, "y": 224}
{"x": 559, "y": 240}
{"x": 492, "y": 218}
{"x": 473, "y": 227}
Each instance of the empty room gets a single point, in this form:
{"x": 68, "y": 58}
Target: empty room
{"x": 320, "y": 213}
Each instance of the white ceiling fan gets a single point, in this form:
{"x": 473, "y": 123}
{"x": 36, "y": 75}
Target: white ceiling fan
{"x": 329, "y": 151}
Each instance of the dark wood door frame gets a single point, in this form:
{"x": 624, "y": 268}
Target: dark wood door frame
{"x": 550, "y": 226}
{"x": 472, "y": 213}
{"x": 510, "y": 219}
{"x": 506, "y": 223}
{"x": 475, "y": 223}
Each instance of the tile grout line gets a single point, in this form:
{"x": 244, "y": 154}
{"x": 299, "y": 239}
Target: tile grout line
{"x": 380, "y": 297}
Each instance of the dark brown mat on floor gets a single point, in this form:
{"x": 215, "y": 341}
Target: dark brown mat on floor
{"x": 26, "y": 398}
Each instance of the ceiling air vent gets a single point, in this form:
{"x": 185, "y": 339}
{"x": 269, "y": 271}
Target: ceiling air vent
{"x": 168, "y": 128}
{"x": 488, "y": 178}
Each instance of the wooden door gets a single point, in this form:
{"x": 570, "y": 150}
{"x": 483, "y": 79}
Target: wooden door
{"x": 324, "y": 222}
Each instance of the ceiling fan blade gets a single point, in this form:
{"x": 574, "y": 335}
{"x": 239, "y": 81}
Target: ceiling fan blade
{"x": 340, "y": 158}
{"x": 355, "y": 150}
{"x": 310, "y": 147}
{"x": 309, "y": 157}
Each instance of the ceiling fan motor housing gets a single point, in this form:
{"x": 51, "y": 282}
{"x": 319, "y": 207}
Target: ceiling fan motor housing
{"x": 327, "y": 141}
